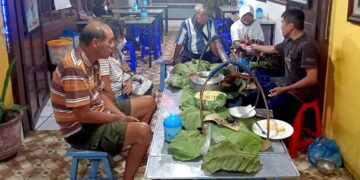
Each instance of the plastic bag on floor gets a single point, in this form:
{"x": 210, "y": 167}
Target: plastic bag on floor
{"x": 323, "y": 147}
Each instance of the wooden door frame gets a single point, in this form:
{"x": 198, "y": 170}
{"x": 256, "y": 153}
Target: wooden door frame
{"x": 17, "y": 78}
{"x": 323, "y": 43}
{"x": 20, "y": 85}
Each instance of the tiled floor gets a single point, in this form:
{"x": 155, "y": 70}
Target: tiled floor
{"x": 42, "y": 155}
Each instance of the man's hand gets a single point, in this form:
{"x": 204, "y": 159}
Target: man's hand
{"x": 129, "y": 119}
{"x": 255, "y": 46}
{"x": 125, "y": 66}
{"x": 276, "y": 91}
{"x": 237, "y": 45}
{"x": 174, "y": 59}
{"x": 127, "y": 87}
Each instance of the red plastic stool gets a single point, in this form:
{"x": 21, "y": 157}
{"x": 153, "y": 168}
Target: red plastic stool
{"x": 295, "y": 141}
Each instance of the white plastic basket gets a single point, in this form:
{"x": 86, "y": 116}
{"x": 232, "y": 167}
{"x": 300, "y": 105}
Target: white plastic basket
{"x": 58, "y": 48}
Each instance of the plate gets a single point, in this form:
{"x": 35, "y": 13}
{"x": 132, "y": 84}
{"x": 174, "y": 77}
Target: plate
{"x": 243, "y": 111}
{"x": 274, "y": 134}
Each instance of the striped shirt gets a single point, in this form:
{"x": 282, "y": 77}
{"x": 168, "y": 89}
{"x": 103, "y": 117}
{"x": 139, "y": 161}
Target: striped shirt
{"x": 190, "y": 37}
{"x": 75, "y": 83}
{"x": 112, "y": 68}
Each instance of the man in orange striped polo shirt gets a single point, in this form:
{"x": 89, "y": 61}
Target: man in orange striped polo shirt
{"x": 87, "y": 118}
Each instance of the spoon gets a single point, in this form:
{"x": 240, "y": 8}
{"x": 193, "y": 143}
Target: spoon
{"x": 262, "y": 131}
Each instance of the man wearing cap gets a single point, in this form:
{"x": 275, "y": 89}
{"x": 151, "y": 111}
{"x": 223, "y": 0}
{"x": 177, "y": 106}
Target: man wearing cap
{"x": 194, "y": 34}
{"x": 246, "y": 26}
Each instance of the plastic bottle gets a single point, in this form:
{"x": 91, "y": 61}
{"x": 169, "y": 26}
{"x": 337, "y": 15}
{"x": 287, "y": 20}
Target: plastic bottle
{"x": 259, "y": 13}
{"x": 145, "y": 2}
{"x": 240, "y": 3}
{"x": 244, "y": 62}
{"x": 172, "y": 126}
{"x": 135, "y": 6}
{"x": 144, "y": 13}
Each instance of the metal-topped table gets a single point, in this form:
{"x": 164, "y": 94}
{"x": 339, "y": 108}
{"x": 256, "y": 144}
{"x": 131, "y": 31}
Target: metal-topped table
{"x": 228, "y": 9}
{"x": 275, "y": 162}
{"x": 153, "y": 12}
{"x": 148, "y": 22}
{"x": 164, "y": 7}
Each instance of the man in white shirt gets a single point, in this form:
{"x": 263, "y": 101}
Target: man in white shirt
{"x": 246, "y": 26}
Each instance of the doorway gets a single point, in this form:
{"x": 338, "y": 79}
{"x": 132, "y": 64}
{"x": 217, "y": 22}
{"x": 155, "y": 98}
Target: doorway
{"x": 30, "y": 82}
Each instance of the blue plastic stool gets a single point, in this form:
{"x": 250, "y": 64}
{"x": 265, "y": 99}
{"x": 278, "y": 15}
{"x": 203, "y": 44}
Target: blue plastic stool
{"x": 129, "y": 46}
{"x": 95, "y": 157}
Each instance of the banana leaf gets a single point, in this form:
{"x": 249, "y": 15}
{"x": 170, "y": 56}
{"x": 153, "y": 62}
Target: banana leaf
{"x": 193, "y": 65}
{"x": 181, "y": 69}
{"x": 191, "y": 117}
{"x": 190, "y": 113}
{"x": 223, "y": 70}
{"x": 186, "y": 99}
{"x": 269, "y": 61}
{"x": 240, "y": 86}
{"x": 228, "y": 156}
{"x": 186, "y": 145}
{"x": 244, "y": 138}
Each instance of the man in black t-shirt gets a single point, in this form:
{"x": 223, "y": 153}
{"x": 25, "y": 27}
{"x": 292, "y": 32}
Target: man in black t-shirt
{"x": 301, "y": 67}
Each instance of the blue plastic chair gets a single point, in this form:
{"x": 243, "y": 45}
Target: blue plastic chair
{"x": 221, "y": 27}
{"x": 144, "y": 39}
{"x": 94, "y": 157}
{"x": 227, "y": 38}
{"x": 129, "y": 46}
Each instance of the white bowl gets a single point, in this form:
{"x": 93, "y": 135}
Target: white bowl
{"x": 243, "y": 111}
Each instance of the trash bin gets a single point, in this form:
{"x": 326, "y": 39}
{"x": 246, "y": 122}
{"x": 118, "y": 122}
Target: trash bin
{"x": 71, "y": 35}
{"x": 58, "y": 48}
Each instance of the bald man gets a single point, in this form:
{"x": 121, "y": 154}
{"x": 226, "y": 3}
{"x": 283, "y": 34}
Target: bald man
{"x": 87, "y": 118}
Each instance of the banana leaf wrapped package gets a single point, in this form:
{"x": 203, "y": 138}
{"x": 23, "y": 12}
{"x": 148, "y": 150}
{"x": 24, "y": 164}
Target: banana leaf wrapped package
{"x": 212, "y": 100}
{"x": 180, "y": 72}
{"x": 177, "y": 81}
